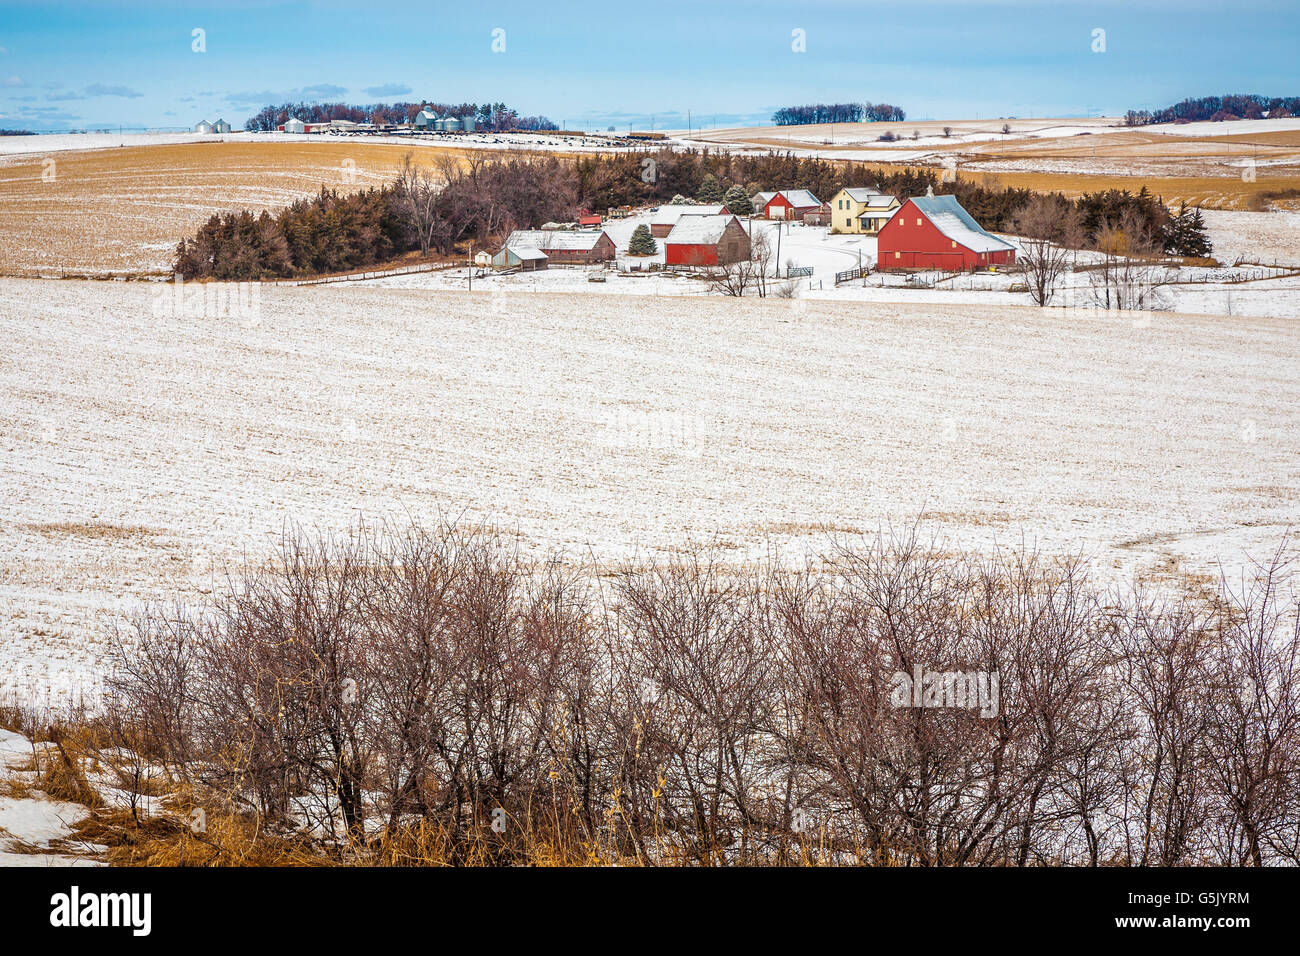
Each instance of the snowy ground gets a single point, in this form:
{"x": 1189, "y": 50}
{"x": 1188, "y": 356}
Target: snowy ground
{"x": 29, "y": 824}
{"x": 144, "y": 451}
{"x": 61, "y": 142}
{"x": 1265, "y": 237}
{"x": 1232, "y": 128}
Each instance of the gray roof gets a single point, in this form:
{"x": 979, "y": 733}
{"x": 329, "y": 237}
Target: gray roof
{"x": 862, "y": 193}
{"x": 669, "y": 214}
{"x": 800, "y": 198}
{"x": 697, "y": 229}
{"x": 956, "y": 223}
{"x": 548, "y": 239}
{"x": 526, "y": 252}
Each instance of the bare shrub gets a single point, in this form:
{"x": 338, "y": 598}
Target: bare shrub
{"x": 438, "y": 696}
{"x": 1126, "y": 279}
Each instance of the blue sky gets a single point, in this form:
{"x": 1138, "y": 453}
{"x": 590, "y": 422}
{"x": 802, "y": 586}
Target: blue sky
{"x": 97, "y": 65}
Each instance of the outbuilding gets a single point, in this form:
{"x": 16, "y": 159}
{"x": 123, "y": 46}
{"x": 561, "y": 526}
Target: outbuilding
{"x": 666, "y": 216}
{"x": 706, "y": 241}
{"x": 566, "y": 246}
{"x": 790, "y": 204}
{"x": 425, "y": 119}
{"x": 935, "y": 232}
{"x": 203, "y": 126}
{"x": 221, "y": 126}
{"x": 523, "y": 258}
{"x": 293, "y": 125}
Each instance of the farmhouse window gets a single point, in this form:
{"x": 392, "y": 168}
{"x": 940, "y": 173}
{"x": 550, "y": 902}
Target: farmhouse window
{"x": 898, "y": 255}
{"x": 918, "y": 222}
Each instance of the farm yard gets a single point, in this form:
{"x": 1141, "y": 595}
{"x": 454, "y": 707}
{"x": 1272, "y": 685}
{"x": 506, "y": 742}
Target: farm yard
{"x": 146, "y": 451}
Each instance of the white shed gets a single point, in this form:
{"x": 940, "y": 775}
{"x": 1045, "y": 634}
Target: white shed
{"x": 221, "y": 126}
{"x": 203, "y": 126}
{"x": 294, "y": 125}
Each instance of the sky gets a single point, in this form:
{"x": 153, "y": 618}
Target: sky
{"x": 634, "y": 63}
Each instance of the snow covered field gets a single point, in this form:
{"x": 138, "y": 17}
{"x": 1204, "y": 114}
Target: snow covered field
{"x": 62, "y": 142}
{"x": 145, "y": 451}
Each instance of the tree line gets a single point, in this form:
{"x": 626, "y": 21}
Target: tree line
{"x": 1231, "y": 106}
{"x": 837, "y": 113}
{"x": 436, "y": 696}
{"x": 488, "y": 116}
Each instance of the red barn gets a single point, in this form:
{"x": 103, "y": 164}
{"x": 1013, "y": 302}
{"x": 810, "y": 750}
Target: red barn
{"x": 935, "y": 232}
{"x": 791, "y": 204}
{"x": 565, "y": 247}
{"x": 706, "y": 241}
{"x": 666, "y": 216}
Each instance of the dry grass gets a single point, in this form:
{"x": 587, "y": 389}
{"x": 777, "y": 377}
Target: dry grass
{"x": 123, "y": 210}
{"x": 1210, "y": 192}
{"x": 95, "y": 530}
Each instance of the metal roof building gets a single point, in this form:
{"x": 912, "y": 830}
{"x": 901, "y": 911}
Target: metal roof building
{"x": 667, "y": 216}
{"x": 935, "y": 232}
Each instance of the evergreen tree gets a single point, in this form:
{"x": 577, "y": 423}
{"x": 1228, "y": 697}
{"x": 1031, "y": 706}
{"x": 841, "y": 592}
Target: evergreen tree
{"x": 1185, "y": 234}
{"x": 642, "y": 243}
{"x": 737, "y": 200}
{"x": 710, "y": 192}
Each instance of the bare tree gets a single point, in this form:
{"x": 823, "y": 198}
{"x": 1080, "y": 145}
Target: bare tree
{"x": 734, "y": 279}
{"x": 1045, "y": 261}
{"x": 418, "y": 196}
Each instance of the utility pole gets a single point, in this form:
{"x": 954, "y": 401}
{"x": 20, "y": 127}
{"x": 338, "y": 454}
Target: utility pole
{"x": 471, "y": 266}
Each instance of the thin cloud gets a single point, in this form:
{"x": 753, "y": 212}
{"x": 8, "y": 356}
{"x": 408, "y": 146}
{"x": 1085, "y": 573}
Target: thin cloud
{"x": 388, "y": 89}
{"x": 320, "y": 91}
{"x": 99, "y": 89}
{"x": 12, "y": 81}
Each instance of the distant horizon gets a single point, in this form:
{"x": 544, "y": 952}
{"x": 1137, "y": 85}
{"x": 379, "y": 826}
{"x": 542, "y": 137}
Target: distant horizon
{"x": 658, "y": 127}
{"x": 157, "y": 66}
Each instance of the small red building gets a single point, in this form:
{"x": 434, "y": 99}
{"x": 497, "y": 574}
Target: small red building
{"x": 935, "y": 232}
{"x": 587, "y": 219}
{"x": 706, "y": 241}
{"x": 791, "y": 204}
